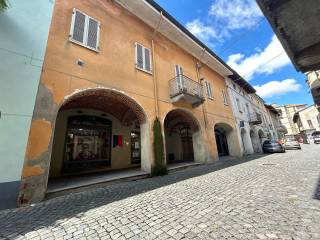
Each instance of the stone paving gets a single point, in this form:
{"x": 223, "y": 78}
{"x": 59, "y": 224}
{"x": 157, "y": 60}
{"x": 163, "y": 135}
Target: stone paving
{"x": 271, "y": 197}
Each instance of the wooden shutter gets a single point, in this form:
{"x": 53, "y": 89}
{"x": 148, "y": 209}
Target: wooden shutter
{"x": 78, "y": 26}
{"x": 139, "y": 56}
{"x": 147, "y": 59}
{"x": 209, "y": 91}
{"x": 93, "y": 33}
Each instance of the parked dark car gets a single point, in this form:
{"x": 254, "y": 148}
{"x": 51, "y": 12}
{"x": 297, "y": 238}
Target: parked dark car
{"x": 316, "y": 137}
{"x": 273, "y": 146}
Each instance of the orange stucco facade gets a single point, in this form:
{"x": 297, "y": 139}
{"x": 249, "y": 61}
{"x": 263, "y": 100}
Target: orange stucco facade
{"x": 113, "y": 67}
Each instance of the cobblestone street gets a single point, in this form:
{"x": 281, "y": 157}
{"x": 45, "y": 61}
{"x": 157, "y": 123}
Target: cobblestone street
{"x": 271, "y": 197}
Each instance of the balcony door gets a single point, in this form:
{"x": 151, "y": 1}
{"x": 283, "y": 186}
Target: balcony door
{"x": 179, "y": 77}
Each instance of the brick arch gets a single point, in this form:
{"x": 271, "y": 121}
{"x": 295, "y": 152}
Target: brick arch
{"x": 111, "y": 101}
{"x": 181, "y": 117}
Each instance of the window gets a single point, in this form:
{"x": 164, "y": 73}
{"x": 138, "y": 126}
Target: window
{"x": 310, "y": 123}
{"x": 143, "y": 58}
{"x": 247, "y": 106}
{"x": 239, "y": 105}
{"x": 209, "y": 90}
{"x": 225, "y": 97}
{"x": 85, "y": 30}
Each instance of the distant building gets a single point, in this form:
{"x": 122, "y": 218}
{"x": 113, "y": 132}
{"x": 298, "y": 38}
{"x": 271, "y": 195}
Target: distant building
{"x": 308, "y": 121}
{"x": 314, "y": 85}
{"x": 278, "y": 129}
{"x": 286, "y": 117}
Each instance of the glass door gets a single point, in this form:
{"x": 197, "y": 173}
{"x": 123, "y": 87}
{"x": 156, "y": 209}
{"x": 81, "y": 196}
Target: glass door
{"x": 135, "y": 148}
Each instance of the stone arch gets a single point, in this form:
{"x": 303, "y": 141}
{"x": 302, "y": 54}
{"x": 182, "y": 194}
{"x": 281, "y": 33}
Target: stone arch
{"x": 246, "y": 141}
{"x": 261, "y": 136}
{"x": 226, "y": 139}
{"x": 183, "y": 137}
{"x": 110, "y": 103}
{"x": 255, "y": 141}
{"x": 222, "y": 132}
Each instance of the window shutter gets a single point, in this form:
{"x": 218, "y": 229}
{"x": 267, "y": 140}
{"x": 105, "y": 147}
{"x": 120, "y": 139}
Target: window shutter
{"x": 207, "y": 88}
{"x": 139, "y": 56}
{"x": 210, "y": 90}
{"x": 93, "y": 33}
{"x": 78, "y": 26}
{"x": 147, "y": 59}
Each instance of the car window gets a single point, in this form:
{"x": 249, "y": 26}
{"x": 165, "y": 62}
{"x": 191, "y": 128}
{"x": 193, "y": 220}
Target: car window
{"x": 267, "y": 142}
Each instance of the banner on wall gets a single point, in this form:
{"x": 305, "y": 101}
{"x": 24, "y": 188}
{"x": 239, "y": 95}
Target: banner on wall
{"x": 117, "y": 141}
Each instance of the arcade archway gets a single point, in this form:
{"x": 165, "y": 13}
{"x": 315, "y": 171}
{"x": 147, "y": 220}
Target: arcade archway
{"x": 99, "y": 130}
{"x": 182, "y": 133}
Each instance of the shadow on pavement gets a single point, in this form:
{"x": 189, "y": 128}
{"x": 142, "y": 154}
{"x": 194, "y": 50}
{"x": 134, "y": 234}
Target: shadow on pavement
{"x": 47, "y": 213}
{"x": 317, "y": 190}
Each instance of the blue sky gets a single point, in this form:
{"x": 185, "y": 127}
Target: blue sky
{"x": 238, "y": 32}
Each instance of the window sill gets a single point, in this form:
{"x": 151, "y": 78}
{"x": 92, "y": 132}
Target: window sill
{"x": 85, "y": 46}
{"x": 143, "y": 70}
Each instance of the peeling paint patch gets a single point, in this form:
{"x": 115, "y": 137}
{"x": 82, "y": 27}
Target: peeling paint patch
{"x": 57, "y": 83}
{"x": 39, "y": 138}
{"x": 32, "y": 171}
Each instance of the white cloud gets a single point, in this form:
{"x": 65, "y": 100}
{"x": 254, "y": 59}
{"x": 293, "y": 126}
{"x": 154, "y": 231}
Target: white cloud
{"x": 223, "y": 17}
{"x": 266, "y": 61}
{"x": 205, "y": 33}
{"x": 277, "y": 88}
{"x": 236, "y": 14}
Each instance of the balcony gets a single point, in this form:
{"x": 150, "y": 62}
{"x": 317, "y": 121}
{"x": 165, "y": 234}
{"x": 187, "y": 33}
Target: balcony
{"x": 186, "y": 90}
{"x": 255, "y": 118}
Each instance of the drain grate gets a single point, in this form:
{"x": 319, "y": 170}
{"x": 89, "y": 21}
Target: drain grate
{"x": 269, "y": 164}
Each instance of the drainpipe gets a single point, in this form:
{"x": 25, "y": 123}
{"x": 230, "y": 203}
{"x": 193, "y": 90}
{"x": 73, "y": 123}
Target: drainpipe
{"x": 154, "y": 74}
{"x": 198, "y": 66}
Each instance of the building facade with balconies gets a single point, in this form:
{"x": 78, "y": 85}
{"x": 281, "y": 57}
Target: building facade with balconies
{"x": 286, "y": 117}
{"x": 111, "y": 69}
{"x": 254, "y": 124}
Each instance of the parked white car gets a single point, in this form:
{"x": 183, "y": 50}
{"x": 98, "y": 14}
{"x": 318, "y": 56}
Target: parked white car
{"x": 292, "y": 143}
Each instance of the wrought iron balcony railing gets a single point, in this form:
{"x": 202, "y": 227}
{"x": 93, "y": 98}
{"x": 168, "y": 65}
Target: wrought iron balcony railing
{"x": 255, "y": 118}
{"x": 183, "y": 88}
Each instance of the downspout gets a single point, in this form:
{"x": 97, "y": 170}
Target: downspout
{"x": 198, "y": 66}
{"x": 154, "y": 74}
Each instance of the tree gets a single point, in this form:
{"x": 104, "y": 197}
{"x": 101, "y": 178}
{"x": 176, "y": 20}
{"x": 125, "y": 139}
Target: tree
{"x": 4, "y": 4}
{"x": 159, "y": 168}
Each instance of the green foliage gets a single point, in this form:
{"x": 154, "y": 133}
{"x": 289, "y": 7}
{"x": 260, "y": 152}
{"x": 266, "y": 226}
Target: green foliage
{"x": 159, "y": 168}
{"x": 4, "y": 4}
